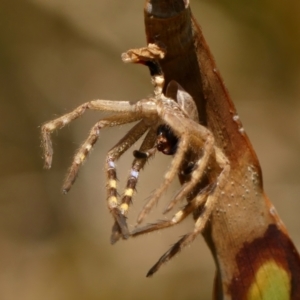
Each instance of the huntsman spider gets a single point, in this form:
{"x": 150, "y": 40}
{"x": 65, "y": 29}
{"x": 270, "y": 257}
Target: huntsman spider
{"x": 171, "y": 124}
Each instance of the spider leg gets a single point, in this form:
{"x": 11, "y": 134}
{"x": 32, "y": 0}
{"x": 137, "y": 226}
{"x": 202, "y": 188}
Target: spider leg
{"x": 168, "y": 178}
{"x": 196, "y": 175}
{"x": 203, "y": 218}
{"x": 120, "y": 227}
{"x": 58, "y": 123}
{"x": 177, "y": 218}
{"x": 114, "y": 154}
{"x": 200, "y": 166}
{"x": 87, "y": 146}
{"x": 192, "y": 135}
{"x": 137, "y": 165}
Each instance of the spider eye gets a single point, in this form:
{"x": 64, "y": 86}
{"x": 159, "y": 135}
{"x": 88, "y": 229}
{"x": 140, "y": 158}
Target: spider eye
{"x": 166, "y": 140}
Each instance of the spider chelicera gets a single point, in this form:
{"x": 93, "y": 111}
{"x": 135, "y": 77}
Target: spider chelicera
{"x": 171, "y": 124}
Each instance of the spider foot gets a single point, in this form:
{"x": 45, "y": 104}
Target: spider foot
{"x": 47, "y": 148}
{"x": 120, "y": 228}
{"x": 116, "y": 233}
{"x": 151, "y": 227}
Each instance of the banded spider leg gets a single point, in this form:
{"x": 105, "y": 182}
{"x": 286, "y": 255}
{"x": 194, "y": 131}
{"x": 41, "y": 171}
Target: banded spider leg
{"x": 150, "y": 112}
{"x": 198, "y": 137}
{"x": 120, "y": 228}
{"x": 178, "y": 131}
{"x": 205, "y": 199}
{"x": 174, "y": 117}
{"x": 178, "y": 102}
{"x": 157, "y": 138}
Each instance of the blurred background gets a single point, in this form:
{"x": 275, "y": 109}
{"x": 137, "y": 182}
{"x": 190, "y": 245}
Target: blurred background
{"x": 57, "y": 54}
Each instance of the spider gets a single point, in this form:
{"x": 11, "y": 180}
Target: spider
{"x": 171, "y": 124}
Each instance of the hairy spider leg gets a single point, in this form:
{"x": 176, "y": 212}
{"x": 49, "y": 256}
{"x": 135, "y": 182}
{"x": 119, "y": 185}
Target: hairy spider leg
{"x": 88, "y": 145}
{"x": 197, "y": 136}
{"x": 197, "y": 168}
{"x": 196, "y": 174}
{"x": 120, "y": 228}
{"x": 168, "y": 178}
{"x": 155, "y": 139}
{"x": 145, "y": 110}
{"x": 150, "y": 56}
{"x": 126, "y": 113}
{"x": 137, "y": 165}
{"x": 129, "y": 110}
{"x": 177, "y": 218}
{"x": 114, "y": 154}
{"x": 147, "y": 56}
{"x": 203, "y": 218}
{"x": 191, "y": 135}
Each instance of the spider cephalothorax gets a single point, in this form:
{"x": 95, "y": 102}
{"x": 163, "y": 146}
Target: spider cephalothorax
{"x": 170, "y": 122}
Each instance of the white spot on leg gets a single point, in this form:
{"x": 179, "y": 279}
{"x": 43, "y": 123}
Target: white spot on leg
{"x": 111, "y": 164}
{"x": 134, "y": 173}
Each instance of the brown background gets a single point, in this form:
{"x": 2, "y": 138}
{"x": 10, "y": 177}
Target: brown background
{"x": 56, "y": 54}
